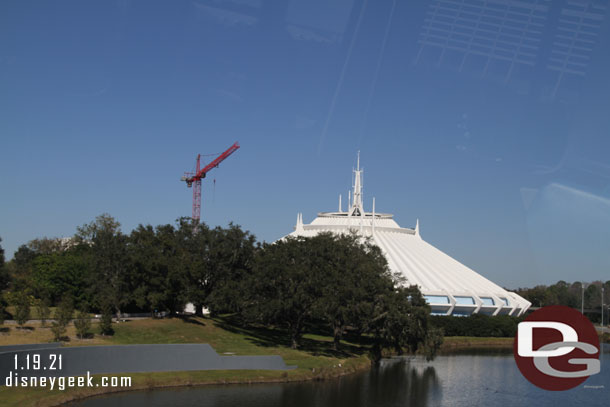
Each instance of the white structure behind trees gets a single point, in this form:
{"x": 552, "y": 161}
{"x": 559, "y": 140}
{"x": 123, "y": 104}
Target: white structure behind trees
{"x": 450, "y": 287}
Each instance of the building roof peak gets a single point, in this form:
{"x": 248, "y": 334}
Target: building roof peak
{"x": 357, "y": 207}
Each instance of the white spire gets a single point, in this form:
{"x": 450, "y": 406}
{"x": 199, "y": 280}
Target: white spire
{"x": 340, "y": 203}
{"x": 299, "y": 227}
{"x": 373, "y": 220}
{"x": 349, "y": 200}
{"x": 361, "y": 222}
{"x": 356, "y": 207}
{"x": 417, "y": 228}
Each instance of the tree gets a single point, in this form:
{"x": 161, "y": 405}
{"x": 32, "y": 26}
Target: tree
{"x": 158, "y": 266}
{"x": 22, "y": 308}
{"x": 561, "y": 290}
{"x": 106, "y": 320}
{"x": 2, "y": 308}
{"x": 4, "y": 277}
{"x": 58, "y": 329}
{"x": 108, "y": 279}
{"x": 147, "y": 269}
{"x": 341, "y": 280}
{"x": 46, "y": 246}
{"x": 354, "y": 272}
{"x": 432, "y": 343}
{"x": 230, "y": 258}
{"x": 401, "y": 321}
{"x": 169, "y": 266}
{"x": 42, "y": 307}
{"x": 82, "y": 323}
{"x": 285, "y": 285}
{"x": 3, "y": 282}
{"x": 560, "y": 293}
{"x": 593, "y": 295}
{"x": 191, "y": 264}
{"x": 62, "y": 317}
{"x": 537, "y": 296}
{"x": 24, "y": 256}
{"x": 56, "y": 274}
{"x": 21, "y": 266}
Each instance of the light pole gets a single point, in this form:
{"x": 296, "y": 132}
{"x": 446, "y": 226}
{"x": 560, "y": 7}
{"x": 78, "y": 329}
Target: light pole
{"x": 602, "y": 307}
{"x": 582, "y": 299}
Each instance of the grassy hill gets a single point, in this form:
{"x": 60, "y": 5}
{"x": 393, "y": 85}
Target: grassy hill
{"x": 315, "y": 359}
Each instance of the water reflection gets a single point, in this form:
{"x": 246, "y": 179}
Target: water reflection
{"x": 473, "y": 378}
{"x": 393, "y": 382}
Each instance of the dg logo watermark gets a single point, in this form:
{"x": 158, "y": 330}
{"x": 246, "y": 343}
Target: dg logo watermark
{"x": 557, "y": 348}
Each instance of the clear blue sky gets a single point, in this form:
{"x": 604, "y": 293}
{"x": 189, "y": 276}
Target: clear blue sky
{"x": 496, "y": 138}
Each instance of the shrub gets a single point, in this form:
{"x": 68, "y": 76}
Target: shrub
{"x": 106, "y": 320}
{"x": 63, "y": 316}
{"x": 22, "y": 309}
{"x": 82, "y": 323}
{"x": 477, "y": 325}
{"x": 42, "y": 306}
{"x": 59, "y": 330}
{"x": 65, "y": 310}
{"x": 1, "y": 312}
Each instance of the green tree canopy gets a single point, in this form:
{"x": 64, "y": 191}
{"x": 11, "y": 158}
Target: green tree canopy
{"x": 355, "y": 271}
{"x": 4, "y": 278}
{"x": 230, "y": 258}
{"x": 286, "y": 284}
{"x": 108, "y": 261}
{"x": 156, "y": 277}
{"x": 62, "y": 273}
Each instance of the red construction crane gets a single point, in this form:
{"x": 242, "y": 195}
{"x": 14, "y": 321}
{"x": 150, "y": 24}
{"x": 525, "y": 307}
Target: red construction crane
{"x": 195, "y": 178}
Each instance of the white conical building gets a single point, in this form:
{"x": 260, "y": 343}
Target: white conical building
{"x": 450, "y": 287}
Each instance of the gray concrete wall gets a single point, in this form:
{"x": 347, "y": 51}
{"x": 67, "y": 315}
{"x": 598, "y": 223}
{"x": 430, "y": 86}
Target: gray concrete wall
{"x": 78, "y": 361}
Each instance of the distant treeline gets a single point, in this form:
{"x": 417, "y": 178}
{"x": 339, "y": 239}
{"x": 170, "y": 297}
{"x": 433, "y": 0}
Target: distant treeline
{"x": 571, "y": 295}
{"x": 341, "y": 282}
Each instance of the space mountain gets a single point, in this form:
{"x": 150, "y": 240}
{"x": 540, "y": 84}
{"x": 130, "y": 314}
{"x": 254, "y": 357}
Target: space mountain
{"x": 449, "y": 287}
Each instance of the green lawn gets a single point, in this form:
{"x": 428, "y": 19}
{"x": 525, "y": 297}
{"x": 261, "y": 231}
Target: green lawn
{"x": 315, "y": 360}
{"x": 452, "y": 343}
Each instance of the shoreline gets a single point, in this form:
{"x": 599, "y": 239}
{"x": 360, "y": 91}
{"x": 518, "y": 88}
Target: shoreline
{"x": 459, "y": 343}
{"x": 363, "y": 363}
{"x": 316, "y": 360}
{"x": 156, "y": 381}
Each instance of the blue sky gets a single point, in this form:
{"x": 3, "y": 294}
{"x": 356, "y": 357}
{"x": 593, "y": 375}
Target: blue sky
{"x": 497, "y": 139}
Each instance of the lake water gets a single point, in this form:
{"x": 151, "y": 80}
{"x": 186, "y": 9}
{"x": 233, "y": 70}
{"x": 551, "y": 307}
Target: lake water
{"x": 464, "y": 379}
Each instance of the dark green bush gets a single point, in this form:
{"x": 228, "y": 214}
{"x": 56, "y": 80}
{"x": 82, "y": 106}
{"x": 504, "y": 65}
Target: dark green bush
{"x": 477, "y": 325}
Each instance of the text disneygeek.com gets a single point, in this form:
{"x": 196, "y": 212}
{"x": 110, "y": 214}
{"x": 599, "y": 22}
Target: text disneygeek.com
{"x": 61, "y": 383}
